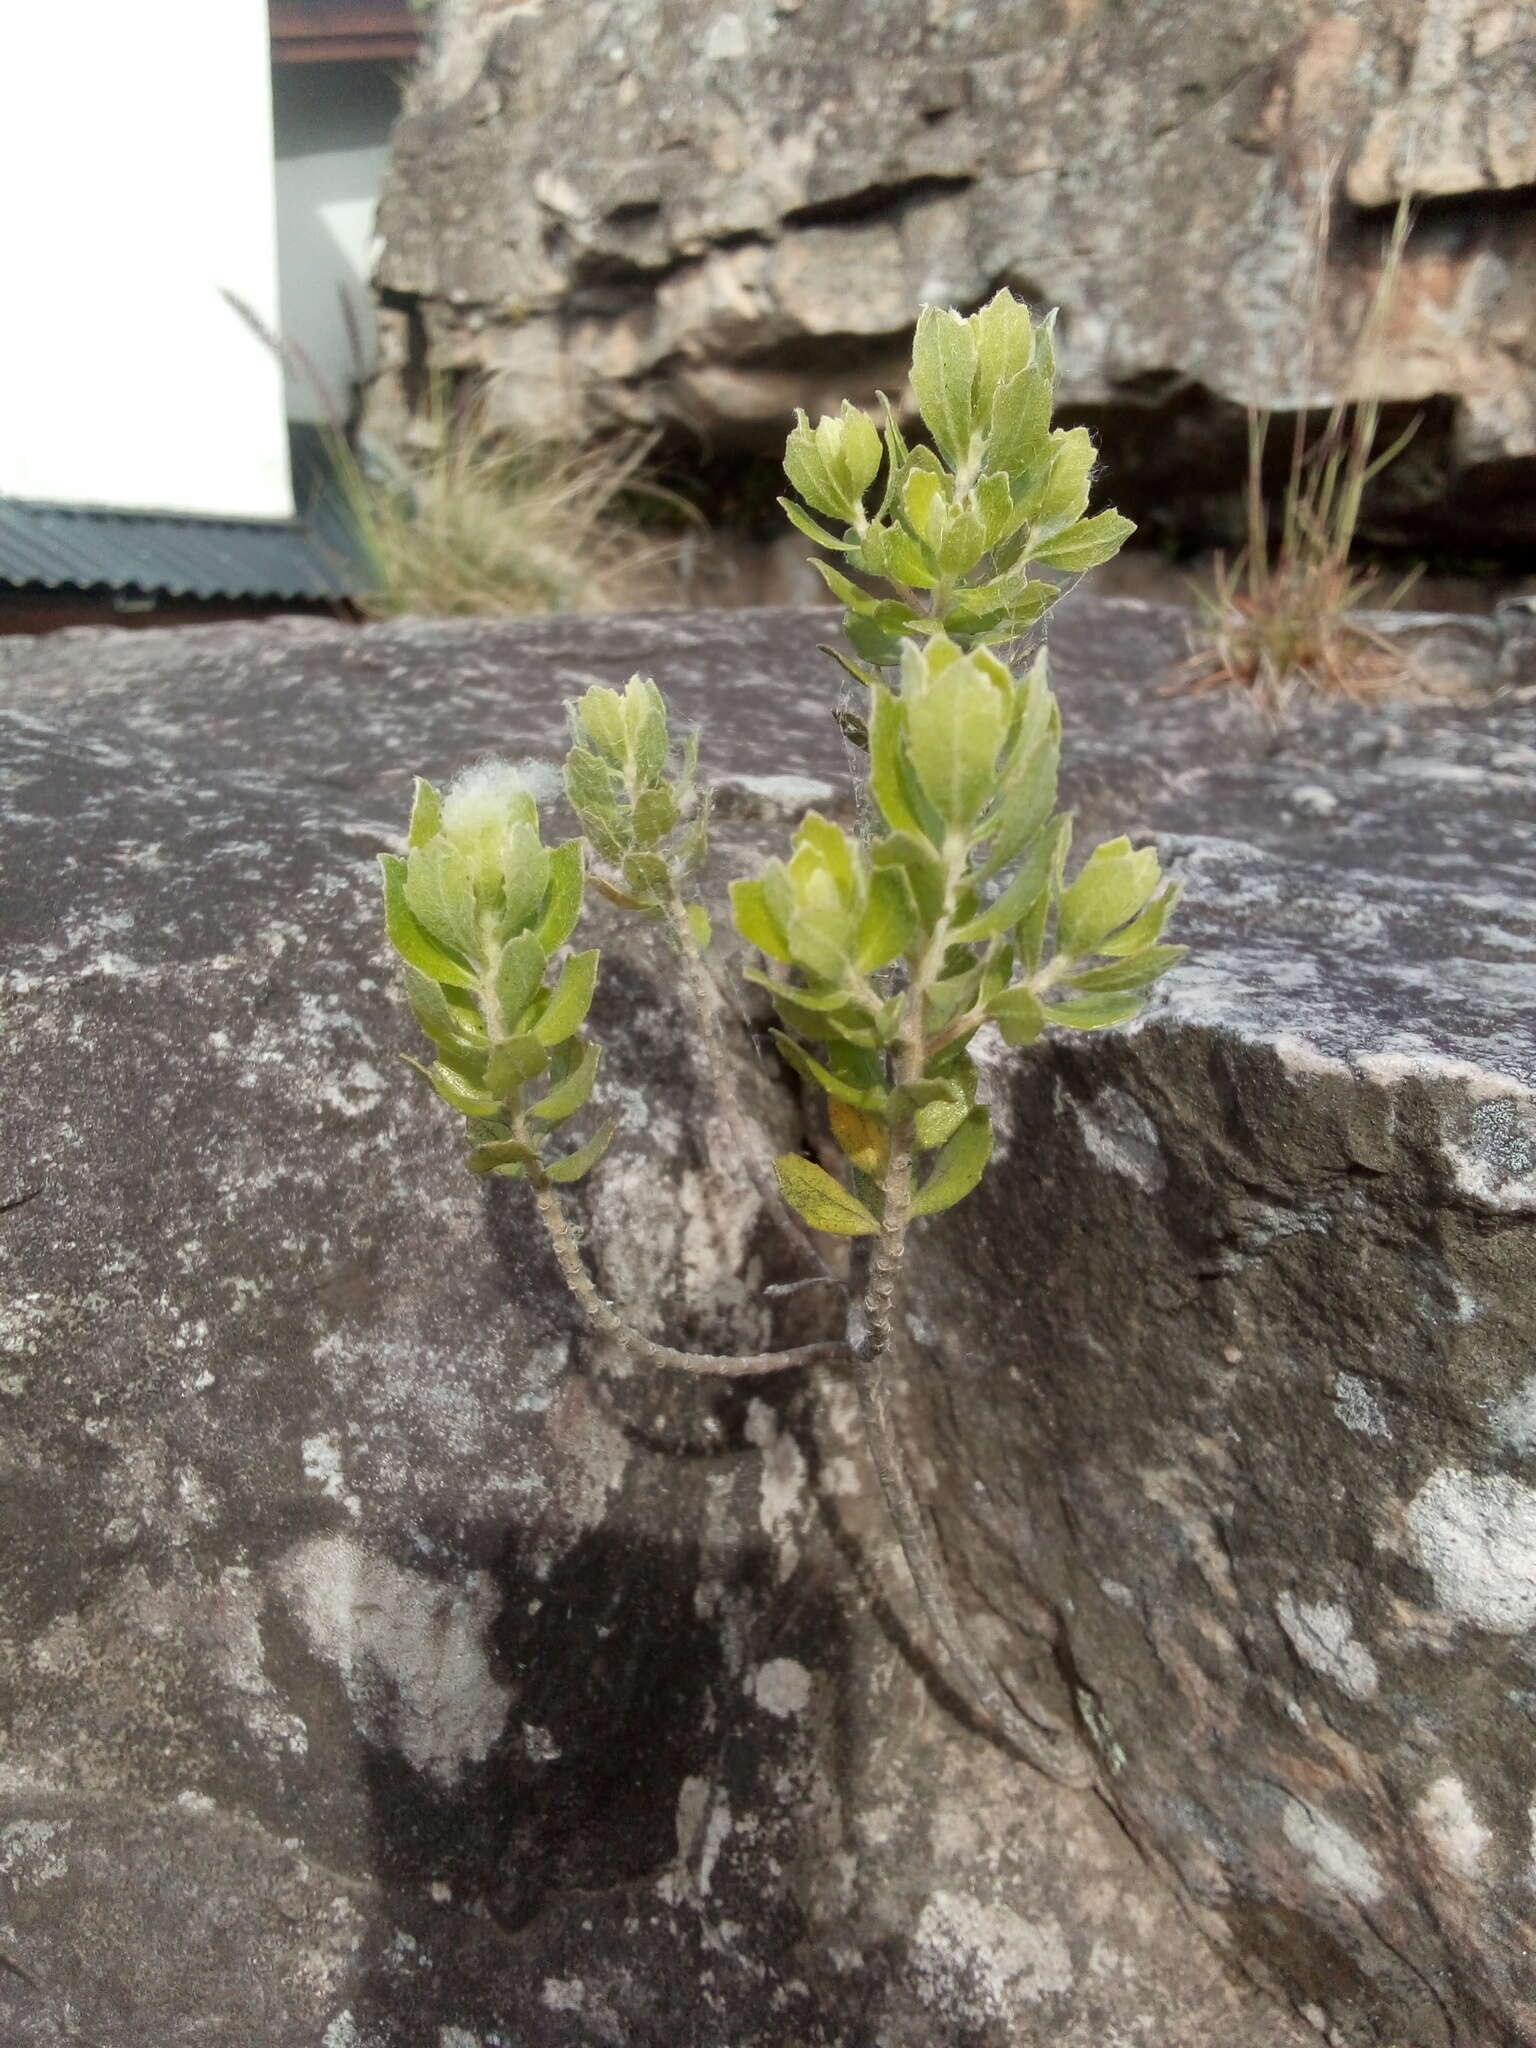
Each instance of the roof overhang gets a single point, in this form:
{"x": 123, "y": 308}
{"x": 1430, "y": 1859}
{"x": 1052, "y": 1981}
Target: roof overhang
{"x": 343, "y": 31}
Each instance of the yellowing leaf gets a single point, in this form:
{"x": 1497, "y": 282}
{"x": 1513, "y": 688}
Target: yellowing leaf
{"x": 866, "y": 1142}
{"x": 820, "y": 1200}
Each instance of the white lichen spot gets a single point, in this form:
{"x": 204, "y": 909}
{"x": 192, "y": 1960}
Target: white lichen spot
{"x": 840, "y": 1478}
{"x": 1336, "y": 1862}
{"x": 1322, "y": 1634}
{"x": 322, "y": 1463}
{"x": 987, "y": 1959}
{"x": 409, "y": 1650}
{"x": 782, "y": 1687}
{"x": 1476, "y": 1537}
{"x": 457, "y": 2037}
{"x": 1358, "y": 1408}
{"x": 30, "y": 1850}
{"x": 1301, "y": 1058}
{"x": 790, "y": 794}
{"x": 341, "y": 2033}
{"x": 1514, "y": 1420}
{"x": 1450, "y": 1822}
{"x": 1314, "y": 800}
{"x": 563, "y": 1994}
{"x": 727, "y": 38}
{"x": 1122, "y": 1137}
{"x": 781, "y": 1483}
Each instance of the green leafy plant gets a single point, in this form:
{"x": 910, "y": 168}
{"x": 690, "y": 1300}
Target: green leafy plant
{"x": 886, "y": 951}
{"x": 1285, "y": 613}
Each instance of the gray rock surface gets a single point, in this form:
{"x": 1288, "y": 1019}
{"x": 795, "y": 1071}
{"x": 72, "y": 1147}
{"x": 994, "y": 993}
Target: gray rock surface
{"x": 384, "y": 1668}
{"x": 695, "y": 211}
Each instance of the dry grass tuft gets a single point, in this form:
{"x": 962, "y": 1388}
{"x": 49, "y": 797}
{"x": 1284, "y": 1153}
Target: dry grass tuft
{"x": 1284, "y": 616}
{"x": 471, "y": 524}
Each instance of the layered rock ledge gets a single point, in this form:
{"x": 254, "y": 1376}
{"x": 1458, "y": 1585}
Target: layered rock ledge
{"x": 697, "y": 216}
{"x": 385, "y": 1667}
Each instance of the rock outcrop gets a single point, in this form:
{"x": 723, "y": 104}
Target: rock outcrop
{"x": 386, "y": 1667}
{"x": 703, "y": 214}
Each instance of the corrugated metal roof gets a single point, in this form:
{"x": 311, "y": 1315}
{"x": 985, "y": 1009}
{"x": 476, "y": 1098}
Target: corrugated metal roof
{"x": 62, "y": 547}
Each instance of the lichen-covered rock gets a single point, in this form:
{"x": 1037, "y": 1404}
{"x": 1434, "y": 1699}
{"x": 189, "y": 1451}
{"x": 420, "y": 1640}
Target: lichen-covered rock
{"x": 381, "y": 1667}
{"x": 698, "y": 212}
{"x": 384, "y": 1667}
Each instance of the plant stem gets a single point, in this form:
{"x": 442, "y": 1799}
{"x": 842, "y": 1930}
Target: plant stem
{"x": 708, "y": 1009}
{"x": 1038, "y": 1735}
{"x": 606, "y": 1319}
{"x": 1046, "y": 1742}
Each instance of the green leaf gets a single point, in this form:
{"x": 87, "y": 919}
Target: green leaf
{"x": 1005, "y": 609}
{"x": 699, "y": 925}
{"x": 955, "y": 727}
{"x": 944, "y": 1001}
{"x": 756, "y": 922}
{"x": 943, "y": 378}
{"x": 805, "y": 466}
{"x": 590, "y": 787}
{"x": 890, "y": 923}
{"x": 1033, "y": 875}
{"x": 562, "y": 905}
{"x": 441, "y": 895}
{"x": 409, "y": 938}
{"x": 500, "y": 1152}
{"x": 958, "y": 1167}
{"x": 914, "y": 1096}
{"x": 568, "y": 1095}
{"x": 1085, "y": 545}
{"x": 921, "y": 865}
{"x": 821, "y": 941}
{"x": 575, "y": 1164}
{"x": 656, "y": 812}
{"x": 1021, "y": 424}
{"x": 1023, "y": 808}
{"x": 512, "y": 1062}
{"x": 430, "y": 1007}
{"x": 645, "y": 715}
{"x": 1114, "y": 885}
{"x": 455, "y": 1092}
{"x": 820, "y": 1200}
{"x": 1018, "y": 1014}
{"x": 519, "y": 972}
{"x": 525, "y": 875}
{"x": 887, "y": 734}
{"x": 572, "y": 999}
{"x": 846, "y": 1025}
{"x": 1059, "y": 499}
{"x": 600, "y": 711}
{"x": 1136, "y": 970}
{"x": 1029, "y": 932}
{"x": 889, "y": 551}
{"x": 861, "y": 673}
{"x": 798, "y": 516}
{"x": 938, "y": 1121}
{"x": 812, "y": 1070}
{"x": 426, "y": 814}
{"x": 1005, "y": 349}
{"x": 1147, "y": 929}
{"x": 1094, "y": 1013}
{"x": 648, "y": 875}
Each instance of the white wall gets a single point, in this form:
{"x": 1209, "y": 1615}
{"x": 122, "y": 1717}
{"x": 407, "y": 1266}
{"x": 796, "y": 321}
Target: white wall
{"x": 135, "y": 187}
